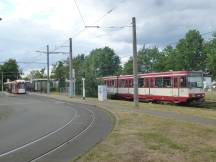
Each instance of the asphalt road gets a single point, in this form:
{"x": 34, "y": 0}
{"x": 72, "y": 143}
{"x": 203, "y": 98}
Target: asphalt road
{"x": 34, "y": 128}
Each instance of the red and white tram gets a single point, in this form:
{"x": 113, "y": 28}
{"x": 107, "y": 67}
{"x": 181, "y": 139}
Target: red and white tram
{"x": 17, "y": 86}
{"x": 172, "y": 86}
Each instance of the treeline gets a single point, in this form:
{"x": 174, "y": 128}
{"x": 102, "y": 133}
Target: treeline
{"x": 191, "y": 52}
{"x": 100, "y": 62}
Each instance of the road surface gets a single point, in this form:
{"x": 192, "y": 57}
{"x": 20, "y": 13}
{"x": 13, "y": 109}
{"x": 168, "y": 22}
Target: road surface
{"x": 34, "y": 128}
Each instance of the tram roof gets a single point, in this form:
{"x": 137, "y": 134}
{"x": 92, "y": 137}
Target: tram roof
{"x": 155, "y": 74}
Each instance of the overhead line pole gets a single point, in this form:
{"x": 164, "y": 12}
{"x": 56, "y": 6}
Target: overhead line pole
{"x": 135, "y": 75}
{"x": 48, "y": 78}
{"x": 70, "y": 69}
{"x": 47, "y": 52}
{"x": 2, "y": 77}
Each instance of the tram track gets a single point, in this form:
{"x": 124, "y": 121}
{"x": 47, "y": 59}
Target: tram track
{"x": 88, "y": 126}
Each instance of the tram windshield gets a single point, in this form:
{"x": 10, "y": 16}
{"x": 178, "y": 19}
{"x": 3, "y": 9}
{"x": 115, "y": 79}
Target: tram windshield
{"x": 195, "y": 80}
{"x": 21, "y": 85}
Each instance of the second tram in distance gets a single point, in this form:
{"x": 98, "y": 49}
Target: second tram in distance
{"x": 16, "y": 87}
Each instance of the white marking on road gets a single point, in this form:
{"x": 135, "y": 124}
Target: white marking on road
{"x": 39, "y": 139}
{"x": 72, "y": 139}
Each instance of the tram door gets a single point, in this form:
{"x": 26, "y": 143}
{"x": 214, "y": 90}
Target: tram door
{"x": 175, "y": 86}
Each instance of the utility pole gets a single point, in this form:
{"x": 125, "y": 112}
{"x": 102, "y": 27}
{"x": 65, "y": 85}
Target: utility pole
{"x": 47, "y": 52}
{"x": 2, "y": 77}
{"x": 74, "y": 82}
{"x": 135, "y": 75}
{"x": 71, "y": 91}
{"x": 48, "y": 78}
{"x": 83, "y": 80}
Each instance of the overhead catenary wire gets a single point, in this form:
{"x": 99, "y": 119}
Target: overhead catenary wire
{"x": 77, "y": 6}
{"x": 109, "y": 12}
{"x": 74, "y": 35}
{"x": 97, "y": 20}
{"x": 110, "y": 27}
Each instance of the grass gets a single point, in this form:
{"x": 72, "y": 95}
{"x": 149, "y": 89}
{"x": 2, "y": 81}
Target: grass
{"x": 206, "y": 109}
{"x": 142, "y": 138}
{"x": 138, "y": 137}
{"x": 190, "y": 110}
{"x": 211, "y": 96}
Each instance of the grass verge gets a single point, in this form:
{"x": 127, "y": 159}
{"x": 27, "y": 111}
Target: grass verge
{"x": 140, "y": 138}
{"x": 190, "y": 110}
{"x": 206, "y": 110}
{"x": 144, "y": 138}
{"x": 211, "y": 96}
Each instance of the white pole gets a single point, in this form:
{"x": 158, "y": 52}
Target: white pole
{"x": 48, "y": 78}
{"x": 83, "y": 80}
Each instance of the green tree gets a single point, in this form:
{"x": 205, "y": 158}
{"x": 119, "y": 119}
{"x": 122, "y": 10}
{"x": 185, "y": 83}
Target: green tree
{"x": 60, "y": 73}
{"x": 77, "y": 63}
{"x": 128, "y": 67}
{"x": 37, "y": 74}
{"x": 190, "y": 52}
{"x": 105, "y": 62}
{"x": 100, "y": 62}
{"x": 11, "y": 70}
{"x": 148, "y": 59}
{"x": 210, "y": 49}
{"x": 169, "y": 58}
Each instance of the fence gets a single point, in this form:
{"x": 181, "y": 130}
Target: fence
{"x": 64, "y": 91}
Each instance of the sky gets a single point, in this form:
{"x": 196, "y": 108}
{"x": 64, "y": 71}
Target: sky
{"x": 30, "y": 25}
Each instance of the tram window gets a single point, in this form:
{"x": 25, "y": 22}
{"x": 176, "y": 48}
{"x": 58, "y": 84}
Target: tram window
{"x": 108, "y": 83}
{"x": 21, "y": 85}
{"x": 126, "y": 83}
{"x": 114, "y": 83}
{"x": 151, "y": 83}
{"x": 147, "y": 83}
{"x": 159, "y": 82}
{"x": 175, "y": 82}
{"x": 167, "y": 82}
{"x": 183, "y": 82}
{"x": 141, "y": 82}
{"x": 195, "y": 81}
{"x": 130, "y": 83}
{"x": 122, "y": 83}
